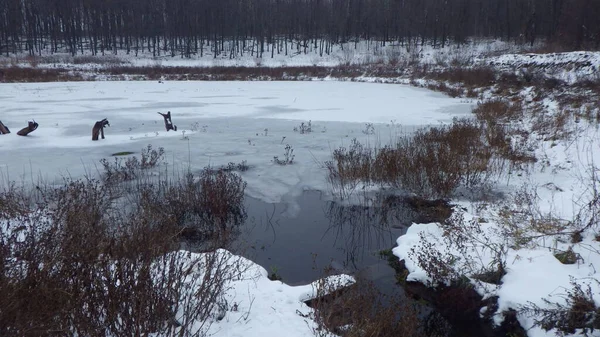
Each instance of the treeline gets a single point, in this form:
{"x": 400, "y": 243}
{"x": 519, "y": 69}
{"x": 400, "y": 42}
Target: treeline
{"x": 188, "y": 27}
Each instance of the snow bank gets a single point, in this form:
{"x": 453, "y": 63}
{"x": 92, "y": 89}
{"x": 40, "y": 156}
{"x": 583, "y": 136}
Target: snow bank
{"x": 257, "y": 306}
{"x": 560, "y": 187}
{"x": 570, "y": 67}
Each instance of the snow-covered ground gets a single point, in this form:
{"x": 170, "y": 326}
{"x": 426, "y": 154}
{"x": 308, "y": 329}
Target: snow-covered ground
{"x": 222, "y": 122}
{"x": 525, "y": 228}
{"x": 256, "y": 306}
{"x": 569, "y": 67}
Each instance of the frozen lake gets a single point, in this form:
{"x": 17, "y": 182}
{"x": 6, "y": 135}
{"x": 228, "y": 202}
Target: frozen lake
{"x": 218, "y": 122}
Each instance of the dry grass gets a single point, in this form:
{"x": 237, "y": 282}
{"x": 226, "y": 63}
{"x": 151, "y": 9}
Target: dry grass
{"x": 18, "y": 74}
{"x": 116, "y": 69}
{"x": 432, "y": 163}
{"x": 498, "y": 111}
{"x": 361, "y": 310}
{"x": 99, "y": 60}
{"x": 467, "y": 77}
{"x": 130, "y": 168}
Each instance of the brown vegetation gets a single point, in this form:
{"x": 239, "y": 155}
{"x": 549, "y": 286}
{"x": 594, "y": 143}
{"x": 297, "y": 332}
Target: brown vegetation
{"x": 432, "y": 163}
{"x": 91, "y": 259}
{"x": 361, "y": 310}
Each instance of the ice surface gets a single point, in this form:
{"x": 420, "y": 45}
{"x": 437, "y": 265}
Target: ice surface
{"x": 218, "y": 122}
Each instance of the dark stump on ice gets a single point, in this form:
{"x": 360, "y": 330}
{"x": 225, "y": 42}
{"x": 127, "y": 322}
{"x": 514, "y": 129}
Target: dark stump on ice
{"x": 3, "y": 129}
{"x": 98, "y": 129}
{"x": 168, "y": 122}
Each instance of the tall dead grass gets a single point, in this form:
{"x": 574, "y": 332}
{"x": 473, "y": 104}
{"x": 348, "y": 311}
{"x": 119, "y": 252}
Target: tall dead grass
{"x": 432, "y": 163}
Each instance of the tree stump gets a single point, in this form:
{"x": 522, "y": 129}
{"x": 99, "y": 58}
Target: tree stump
{"x": 31, "y": 126}
{"x": 98, "y": 129}
{"x": 3, "y": 129}
{"x": 168, "y": 122}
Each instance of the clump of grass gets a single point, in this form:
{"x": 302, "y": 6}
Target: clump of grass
{"x": 568, "y": 256}
{"x": 288, "y": 156}
{"x": 274, "y": 274}
{"x": 131, "y": 168}
{"x": 304, "y": 128}
{"x": 239, "y": 167}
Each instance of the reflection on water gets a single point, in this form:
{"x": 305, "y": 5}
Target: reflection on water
{"x": 357, "y": 230}
{"x": 323, "y": 234}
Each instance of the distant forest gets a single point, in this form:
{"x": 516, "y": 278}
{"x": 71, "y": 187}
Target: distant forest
{"x": 190, "y": 27}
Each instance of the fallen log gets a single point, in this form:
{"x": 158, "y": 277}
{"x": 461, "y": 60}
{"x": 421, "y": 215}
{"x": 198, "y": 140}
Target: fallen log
{"x": 3, "y": 129}
{"x": 31, "y": 126}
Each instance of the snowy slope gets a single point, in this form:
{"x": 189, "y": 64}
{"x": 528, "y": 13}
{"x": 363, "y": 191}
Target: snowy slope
{"x": 559, "y": 187}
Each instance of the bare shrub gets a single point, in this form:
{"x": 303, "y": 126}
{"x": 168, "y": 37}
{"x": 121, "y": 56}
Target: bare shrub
{"x": 450, "y": 90}
{"x": 128, "y": 169}
{"x": 206, "y": 209}
{"x": 394, "y": 56}
{"x": 497, "y": 110}
{"x": 12, "y": 203}
{"x": 119, "y": 169}
{"x": 27, "y": 74}
{"x": 579, "y": 312}
{"x": 32, "y": 60}
{"x": 150, "y": 157}
{"x": 462, "y": 154}
{"x": 352, "y": 163}
{"x": 437, "y": 161}
{"x": 507, "y": 143}
{"x": 222, "y": 196}
{"x": 80, "y": 263}
{"x": 467, "y": 250}
{"x": 522, "y": 221}
{"x": 439, "y": 265}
